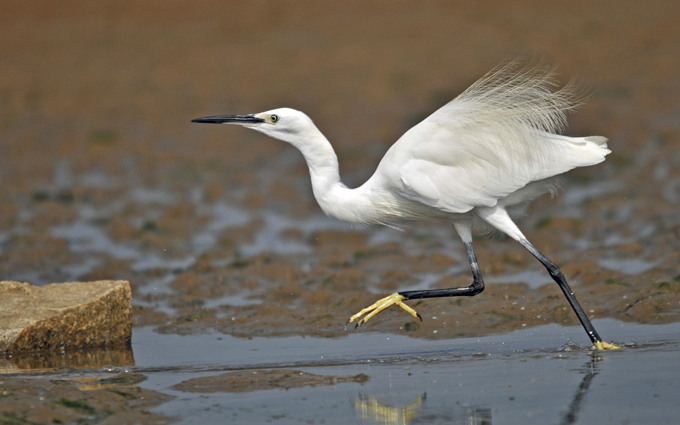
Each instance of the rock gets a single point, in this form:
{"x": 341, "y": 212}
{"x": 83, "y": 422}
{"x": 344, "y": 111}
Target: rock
{"x": 64, "y": 316}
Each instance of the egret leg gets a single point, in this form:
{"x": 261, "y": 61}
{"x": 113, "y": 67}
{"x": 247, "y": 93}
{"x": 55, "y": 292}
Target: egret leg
{"x": 561, "y": 281}
{"x": 477, "y": 285}
{"x": 397, "y": 298}
{"x": 499, "y": 218}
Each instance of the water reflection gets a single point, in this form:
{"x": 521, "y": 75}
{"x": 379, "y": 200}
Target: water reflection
{"x": 378, "y": 411}
{"x": 590, "y": 369}
{"x": 93, "y": 358}
{"x": 373, "y": 410}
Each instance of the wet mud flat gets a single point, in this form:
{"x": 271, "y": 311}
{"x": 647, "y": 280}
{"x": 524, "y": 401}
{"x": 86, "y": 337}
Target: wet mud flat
{"x": 234, "y": 269}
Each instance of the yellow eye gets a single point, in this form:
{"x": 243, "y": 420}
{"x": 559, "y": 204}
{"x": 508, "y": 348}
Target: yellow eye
{"x": 274, "y": 118}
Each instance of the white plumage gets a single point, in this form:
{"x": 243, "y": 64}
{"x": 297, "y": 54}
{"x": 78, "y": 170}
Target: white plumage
{"x": 492, "y": 148}
{"x": 488, "y": 143}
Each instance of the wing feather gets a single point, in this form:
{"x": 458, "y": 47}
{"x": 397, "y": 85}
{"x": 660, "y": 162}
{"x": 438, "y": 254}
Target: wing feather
{"x": 490, "y": 141}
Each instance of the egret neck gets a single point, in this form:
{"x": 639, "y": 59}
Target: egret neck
{"x": 334, "y": 198}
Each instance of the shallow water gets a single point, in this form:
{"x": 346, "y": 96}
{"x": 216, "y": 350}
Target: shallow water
{"x": 546, "y": 374}
{"x": 511, "y": 378}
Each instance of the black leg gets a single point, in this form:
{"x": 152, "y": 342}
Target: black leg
{"x": 397, "y": 298}
{"x": 498, "y": 218}
{"x": 475, "y": 288}
{"x": 559, "y": 278}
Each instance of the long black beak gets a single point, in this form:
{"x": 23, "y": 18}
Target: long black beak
{"x": 230, "y": 119}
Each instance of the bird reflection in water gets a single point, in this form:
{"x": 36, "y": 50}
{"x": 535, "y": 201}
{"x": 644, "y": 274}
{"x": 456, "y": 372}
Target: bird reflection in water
{"x": 372, "y": 410}
{"x": 590, "y": 370}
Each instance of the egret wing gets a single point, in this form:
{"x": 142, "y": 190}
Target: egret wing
{"x": 492, "y": 140}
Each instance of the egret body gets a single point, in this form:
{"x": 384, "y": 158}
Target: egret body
{"x": 489, "y": 152}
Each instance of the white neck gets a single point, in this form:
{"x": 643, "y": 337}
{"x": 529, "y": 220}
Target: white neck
{"x": 366, "y": 204}
{"x": 334, "y": 198}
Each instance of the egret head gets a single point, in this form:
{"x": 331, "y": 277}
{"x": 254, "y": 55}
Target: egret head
{"x": 284, "y": 124}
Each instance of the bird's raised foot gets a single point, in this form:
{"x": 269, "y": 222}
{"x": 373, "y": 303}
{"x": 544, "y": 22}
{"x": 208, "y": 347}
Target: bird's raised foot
{"x": 601, "y": 345}
{"x": 380, "y": 305}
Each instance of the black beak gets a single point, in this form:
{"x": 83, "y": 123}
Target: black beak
{"x": 230, "y": 119}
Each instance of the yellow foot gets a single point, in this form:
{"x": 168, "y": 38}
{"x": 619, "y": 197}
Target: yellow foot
{"x": 601, "y": 345}
{"x": 380, "y": 305}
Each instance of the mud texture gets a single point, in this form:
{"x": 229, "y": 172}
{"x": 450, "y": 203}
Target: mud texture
{"x": 105, "y": 400}
{"x": 257, "y": 380}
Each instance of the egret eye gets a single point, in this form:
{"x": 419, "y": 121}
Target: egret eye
{"x": 274, "y": 118}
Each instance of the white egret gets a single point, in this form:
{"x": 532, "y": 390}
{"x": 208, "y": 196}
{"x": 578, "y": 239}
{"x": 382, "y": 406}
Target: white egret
{"x": 479, "y": 158}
